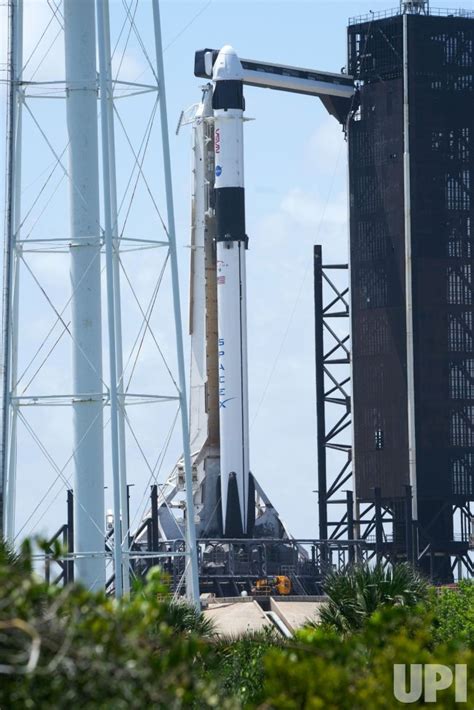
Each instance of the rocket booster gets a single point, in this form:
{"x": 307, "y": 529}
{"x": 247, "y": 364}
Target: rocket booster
{"x": 231, "y": 244}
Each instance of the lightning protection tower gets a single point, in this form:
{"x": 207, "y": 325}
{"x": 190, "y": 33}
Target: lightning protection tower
{"x": 89, "y": 210}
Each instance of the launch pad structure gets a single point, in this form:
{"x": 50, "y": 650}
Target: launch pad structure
{"x": 394, "y": 389}
{"x": 241, "y": 536}
{"x": 400, "y": 377}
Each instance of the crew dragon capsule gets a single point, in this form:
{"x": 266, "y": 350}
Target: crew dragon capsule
{"x": 236, "y": 481}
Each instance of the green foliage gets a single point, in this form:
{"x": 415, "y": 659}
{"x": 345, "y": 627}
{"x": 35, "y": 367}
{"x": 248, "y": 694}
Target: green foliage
{"x": 453, "y": 611}
{"x": 69, "y": 647}
{"x": 323, "y": 670}
{"x": 357, "y": 592}
{"x": 17, "y": 562}
{"x": 178, "y": 614}
{"x": 239, "y": 664}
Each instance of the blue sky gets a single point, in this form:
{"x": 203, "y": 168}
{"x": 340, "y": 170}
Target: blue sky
{"x": 295, "y": 167}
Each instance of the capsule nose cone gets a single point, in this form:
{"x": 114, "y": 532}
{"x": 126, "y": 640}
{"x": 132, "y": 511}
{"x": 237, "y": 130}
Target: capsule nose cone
{"x": 227, "y": 65}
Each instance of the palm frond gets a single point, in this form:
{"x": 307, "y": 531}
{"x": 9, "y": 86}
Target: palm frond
{"x": 356, "y": 592}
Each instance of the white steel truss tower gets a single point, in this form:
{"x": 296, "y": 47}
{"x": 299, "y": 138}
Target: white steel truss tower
{"x": 89, "y": 206}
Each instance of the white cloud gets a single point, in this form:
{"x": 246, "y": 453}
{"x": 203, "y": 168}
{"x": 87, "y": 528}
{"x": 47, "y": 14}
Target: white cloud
{"x": 281, "y": 343}
{"x": 305, "y": 218}
{"x": 3, "y": 60}
{"x": 3, "y": 32}
{"x": 130, "y": 66}
{"x": 326, "y": 146}
{"x": 43, "y": 42}
{"x": 43, "y": 45}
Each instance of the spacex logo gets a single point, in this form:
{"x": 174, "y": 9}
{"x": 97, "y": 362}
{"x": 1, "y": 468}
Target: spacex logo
{"x": 222, "y": 379}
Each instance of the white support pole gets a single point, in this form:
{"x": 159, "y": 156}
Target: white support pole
{"x": 408, "y": 275}
{"x": 351, "y": 359}
{"x": 12, "y": 454}
{"x": 118, "y": 305}
{"x": 81, "y": 106}
{"x": 11, "y": 271}
{"x": 192, "y": 580}
{"x": 105, "y": 88}
{"x": 17, "y": 138}
{"x": 8, "y": 271}
{"x": 16, "y": 275}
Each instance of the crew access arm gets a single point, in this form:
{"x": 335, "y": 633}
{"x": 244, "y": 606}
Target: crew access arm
{"x": 336, "y": 91}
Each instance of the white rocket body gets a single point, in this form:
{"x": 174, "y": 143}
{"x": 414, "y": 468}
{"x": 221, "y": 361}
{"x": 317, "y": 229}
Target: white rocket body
{"x": 233, "y": 378}
{"x": 231, "y": 292}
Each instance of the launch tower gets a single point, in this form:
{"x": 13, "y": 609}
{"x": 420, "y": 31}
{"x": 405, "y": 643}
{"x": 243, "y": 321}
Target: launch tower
{"x": 411, "y": 249}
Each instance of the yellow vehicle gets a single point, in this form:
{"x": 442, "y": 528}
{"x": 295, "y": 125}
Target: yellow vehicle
{"x": 273, "y": 585}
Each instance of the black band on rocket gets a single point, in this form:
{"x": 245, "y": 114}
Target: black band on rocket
{"x": 230, "y": 214}
{"x": 228, "y": 94}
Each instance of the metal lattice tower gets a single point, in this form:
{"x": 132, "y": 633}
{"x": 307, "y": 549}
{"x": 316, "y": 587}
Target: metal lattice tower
{"x": 90, "y": 258}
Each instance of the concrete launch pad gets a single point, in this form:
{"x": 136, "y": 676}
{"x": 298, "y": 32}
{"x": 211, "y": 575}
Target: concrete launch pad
{"x": 295, "y": 613}
{"x": 234, "y": 616}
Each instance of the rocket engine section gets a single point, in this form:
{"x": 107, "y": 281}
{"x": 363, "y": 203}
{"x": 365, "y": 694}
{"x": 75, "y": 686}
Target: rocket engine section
{"x": 236, "y": 482}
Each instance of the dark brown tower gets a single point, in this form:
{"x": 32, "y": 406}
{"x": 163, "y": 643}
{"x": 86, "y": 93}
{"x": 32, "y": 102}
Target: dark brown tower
{"x": 412, "y": 247}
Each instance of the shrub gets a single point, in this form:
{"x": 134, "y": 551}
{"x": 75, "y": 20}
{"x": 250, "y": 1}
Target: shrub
{"x": 239, "y": 664}
{"x": 323, "y": 670}
{"x": 453, "y": 611}
{"x": 357, "y": 592}
{"x": 68, "y": 647}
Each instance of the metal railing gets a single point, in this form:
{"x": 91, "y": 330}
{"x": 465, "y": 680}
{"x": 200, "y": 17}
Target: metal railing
{"x": 393, "y": 12}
